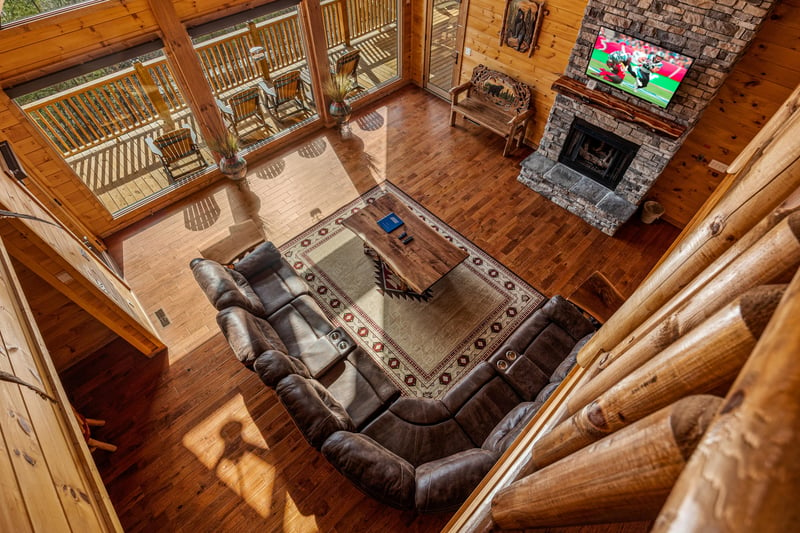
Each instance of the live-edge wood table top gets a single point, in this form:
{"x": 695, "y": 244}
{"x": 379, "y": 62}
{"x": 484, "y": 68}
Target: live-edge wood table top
{"x": 420, "y": 263}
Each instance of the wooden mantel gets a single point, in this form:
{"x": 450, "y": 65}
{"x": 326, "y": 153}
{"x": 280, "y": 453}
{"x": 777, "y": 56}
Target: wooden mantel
{"x": 618, "y": 108}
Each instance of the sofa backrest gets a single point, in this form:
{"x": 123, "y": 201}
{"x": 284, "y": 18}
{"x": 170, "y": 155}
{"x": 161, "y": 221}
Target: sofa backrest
{"x": 225, "y": 287}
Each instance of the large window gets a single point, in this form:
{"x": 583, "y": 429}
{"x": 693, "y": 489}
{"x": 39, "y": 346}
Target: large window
{"x": 258, "y": 72}
{"x": 14, "y": 10}
{"x": 114, "y": 126}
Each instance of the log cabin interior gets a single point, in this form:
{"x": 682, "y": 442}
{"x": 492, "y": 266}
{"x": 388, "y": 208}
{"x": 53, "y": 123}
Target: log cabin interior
{"x": 681, "y": 412}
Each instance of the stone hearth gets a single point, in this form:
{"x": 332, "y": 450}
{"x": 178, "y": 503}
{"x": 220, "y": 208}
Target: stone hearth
{"x": 716, "y": 34}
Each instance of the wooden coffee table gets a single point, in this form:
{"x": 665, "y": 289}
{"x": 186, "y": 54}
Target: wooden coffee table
{"x": 420, "y": 263}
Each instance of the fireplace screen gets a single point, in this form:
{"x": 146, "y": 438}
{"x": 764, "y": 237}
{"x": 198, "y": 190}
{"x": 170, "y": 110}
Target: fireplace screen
{"x": 597, "y": 153}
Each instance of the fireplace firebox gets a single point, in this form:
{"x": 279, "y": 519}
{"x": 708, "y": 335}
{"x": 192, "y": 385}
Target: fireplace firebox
{"x": 597, "y": 153}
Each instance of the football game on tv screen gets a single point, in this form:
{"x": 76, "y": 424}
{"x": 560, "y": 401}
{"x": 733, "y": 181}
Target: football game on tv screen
{"x": 637, "y": 67}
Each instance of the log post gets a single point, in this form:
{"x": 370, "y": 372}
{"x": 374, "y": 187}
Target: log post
{"x": 155, "y": 96}
{"x": 345, "y": 12}
{"x": 745, "y": 474}
{"x": 764, "y": 185}
{"x": 702, "y": 361}
{"x": 622, "y": 478}
{"x": 186, "y": 69}
{"x": 256, "y": 42}
{"x": 773, "y": 256}
{"x": 317, "y": 47}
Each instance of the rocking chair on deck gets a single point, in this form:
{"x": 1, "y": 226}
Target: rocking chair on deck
{"x": 242, "y": 106}
{"x": 173, "y": 148}
{"x": 347, "y": 64}
{"x": 286, "y": 90}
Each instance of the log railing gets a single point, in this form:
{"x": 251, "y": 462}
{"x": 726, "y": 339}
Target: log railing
{"x": 103, "y": 110}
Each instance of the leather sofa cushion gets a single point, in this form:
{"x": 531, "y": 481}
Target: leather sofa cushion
{"x": 315, "y": 412}
{"x": 248, "y": 335}
{"x": 265, "y": 257}
{"x": 462, "y": 391}
{"x": 225, "y": 287}
{"x": 521, "y": 373}
{"x": 504, "y": 433}
{"x": 374, "y": 374}
{"x": 486, "y": 408}
{"x": 411, "y": 429}
{"x": 547, "y": 391}
{"x": 272, "y": 367}
{"x": 550, "y": 348}
{"x": 566, "y": 365}
{"x": 444, "y": 484}
{"x": 300, "y": 323}
{"x": 320, "y": 356}
{"x": 346, "y": 383}
{"x": 274, "y": 281}
{"x": 372, "y": 468}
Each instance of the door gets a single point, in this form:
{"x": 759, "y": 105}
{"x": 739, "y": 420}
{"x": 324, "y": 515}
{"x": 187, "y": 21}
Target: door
{"x": 441, "y": 58}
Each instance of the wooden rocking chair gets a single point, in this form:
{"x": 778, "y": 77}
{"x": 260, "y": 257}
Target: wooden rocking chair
{"x": 346, "y": 63}
{"x": 174, "y": 148}
{"x": 285, "y": 92}
{"x": 243, "y": 106}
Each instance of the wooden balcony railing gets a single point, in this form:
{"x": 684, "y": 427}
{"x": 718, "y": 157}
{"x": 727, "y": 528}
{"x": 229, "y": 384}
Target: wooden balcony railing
{"x": 81, "y": 118}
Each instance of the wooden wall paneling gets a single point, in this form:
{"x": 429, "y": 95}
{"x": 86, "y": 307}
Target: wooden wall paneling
{"x": 54, "y": 476}
{"x": 753, "y": 91}
{"x": 69, "y": 332}
{"x": 53, "y": 181}
{"x": 556, "y": 39}
{"x": 58, "y": 257}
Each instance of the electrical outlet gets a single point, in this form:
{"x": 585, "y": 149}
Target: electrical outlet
{"x": 719, "y": 166}
{"x": 467, "y": 51}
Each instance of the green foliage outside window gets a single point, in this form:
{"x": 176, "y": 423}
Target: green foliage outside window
{"x": 20, "y": 9}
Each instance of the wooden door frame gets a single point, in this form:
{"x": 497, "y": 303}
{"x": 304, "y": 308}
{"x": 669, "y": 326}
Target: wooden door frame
{"x": 458, "y": 46}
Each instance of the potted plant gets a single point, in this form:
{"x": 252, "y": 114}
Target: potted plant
{"x": 231, "y": 162}
{"x": 337, "y": 88}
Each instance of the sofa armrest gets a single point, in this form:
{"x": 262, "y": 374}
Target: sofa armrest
{"x": 372, "y": 468}
{"x": 444, "y": 484}
{"x": 264, "y": 258}
{"x": 248, "y": 335}
{"x": 225, "y": 287}
{"x": 314, "y": 410}
{"x": 272, "y": 366}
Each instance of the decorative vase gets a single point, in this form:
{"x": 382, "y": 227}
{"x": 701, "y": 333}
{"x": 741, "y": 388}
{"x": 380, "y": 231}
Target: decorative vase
{"x": 234, "y": 168}
{"x": 340, "y": 111}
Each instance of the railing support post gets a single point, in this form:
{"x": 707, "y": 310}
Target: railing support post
{"x": 345, "y": 22}
{"x": 256, "y": 41}
{"x": 150, "y": 88}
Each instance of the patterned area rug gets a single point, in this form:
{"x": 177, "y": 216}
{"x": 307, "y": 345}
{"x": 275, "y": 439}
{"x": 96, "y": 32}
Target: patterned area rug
{"x": 424, "y": 346}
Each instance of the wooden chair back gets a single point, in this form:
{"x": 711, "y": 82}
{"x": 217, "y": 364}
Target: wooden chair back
{"x": 288, "y": 86}
{"x": 245, "y": 104}
{"x": 176, "y": 145}
{"x": 347, "y": 63}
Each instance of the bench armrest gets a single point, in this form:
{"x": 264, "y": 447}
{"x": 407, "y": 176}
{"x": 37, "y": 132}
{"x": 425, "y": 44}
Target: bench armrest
{"x": 521, "y": 117}
{"x": 458, "y": 89}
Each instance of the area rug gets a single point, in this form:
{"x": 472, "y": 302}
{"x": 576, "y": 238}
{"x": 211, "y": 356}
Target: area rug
{"x": 424, "y": 346}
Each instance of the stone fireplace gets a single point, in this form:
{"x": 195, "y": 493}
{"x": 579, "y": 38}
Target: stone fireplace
{"x": 598, "y": 164}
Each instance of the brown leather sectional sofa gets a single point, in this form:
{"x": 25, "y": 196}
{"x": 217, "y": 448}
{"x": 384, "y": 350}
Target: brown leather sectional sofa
{"x": 410, "y": 453}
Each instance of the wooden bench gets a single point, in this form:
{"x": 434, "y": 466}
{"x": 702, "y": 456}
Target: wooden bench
{"x": 495, "y": 101}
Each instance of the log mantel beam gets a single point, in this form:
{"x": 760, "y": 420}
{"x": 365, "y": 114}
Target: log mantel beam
{"x": 618, "y": 108}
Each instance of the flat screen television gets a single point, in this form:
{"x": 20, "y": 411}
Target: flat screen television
{"x": 637, "y": 67}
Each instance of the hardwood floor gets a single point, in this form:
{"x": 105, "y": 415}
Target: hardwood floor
{"x": 203, "y": 445}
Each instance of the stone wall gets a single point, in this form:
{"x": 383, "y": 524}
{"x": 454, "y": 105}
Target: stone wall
{"x": 716, "y": 34}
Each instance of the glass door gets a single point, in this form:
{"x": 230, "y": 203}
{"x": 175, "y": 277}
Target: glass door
{"x": 441, "y": 55}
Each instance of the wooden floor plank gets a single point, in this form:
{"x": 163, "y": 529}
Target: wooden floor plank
{"x": 203, "y": 445}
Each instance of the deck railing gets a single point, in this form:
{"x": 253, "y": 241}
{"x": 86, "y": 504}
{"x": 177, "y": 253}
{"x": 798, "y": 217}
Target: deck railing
{"x": 81, "y": 118}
